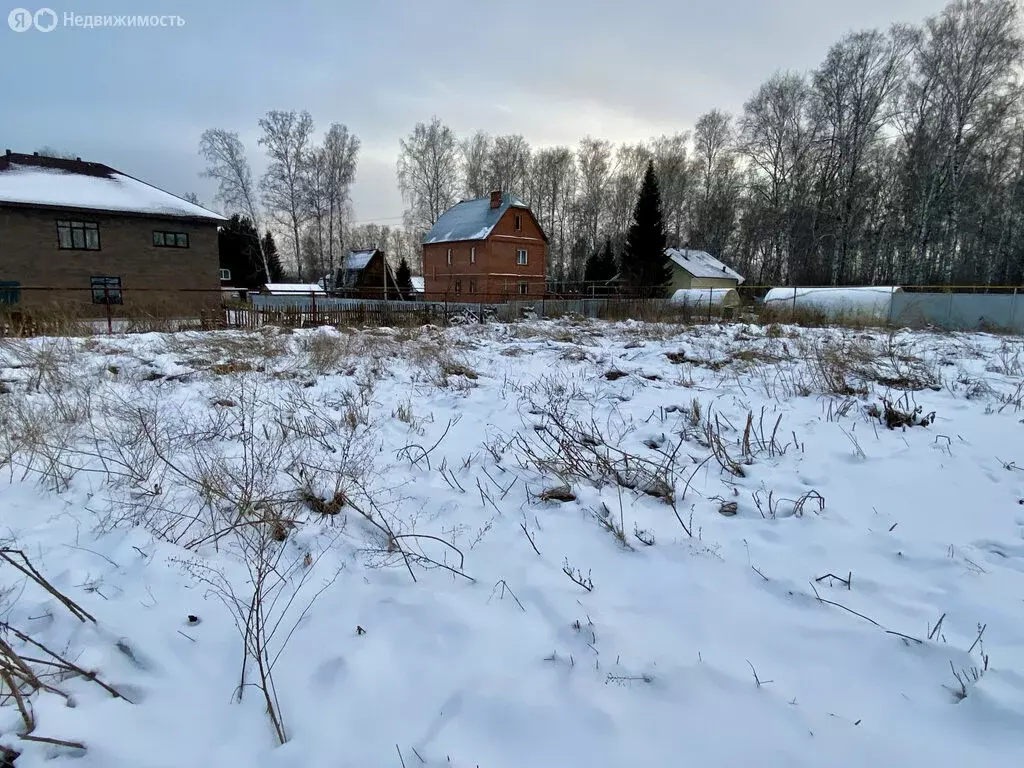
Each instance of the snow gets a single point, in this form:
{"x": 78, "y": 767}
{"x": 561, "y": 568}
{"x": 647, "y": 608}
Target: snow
{"x": 702, "y": 264}
{"x": 711, "y": 649}
{"x": 281, "y": 289}
{"x": 418, "y": 283}
{"x": 716, "y": 297}
{"x": 357, "y": 260}
{"x": 117, "y": 192}
{"x": 867, "y": 301}
{"x": 471, "y": 219}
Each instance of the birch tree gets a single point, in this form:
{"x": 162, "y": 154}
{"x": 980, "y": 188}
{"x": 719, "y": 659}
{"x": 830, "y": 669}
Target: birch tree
{"x": 286, "y": 140}
{"x": 428, "y": 173}
{"x": 227, "y": 164}
{"x": 476, "y": 152}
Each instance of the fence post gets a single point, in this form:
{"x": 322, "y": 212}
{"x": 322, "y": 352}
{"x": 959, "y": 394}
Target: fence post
{"x": 711, "y": 297}
{"x": 106, "y": 301}
{"x": 794, "y": 302}
{"x": 312, "y": 297}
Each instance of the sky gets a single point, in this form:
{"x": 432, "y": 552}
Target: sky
{"x": 555, "y": 71}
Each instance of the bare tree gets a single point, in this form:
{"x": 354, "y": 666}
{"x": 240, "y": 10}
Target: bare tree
{"x": 476, "y": 152}
{"x": 672, "y": 166}
{"x": 508, "y": 165}
{"x": 716, "y": 184}
{"x": 856, "y": 86}
{"x": 428, "y": 173}
{"x": 552, "y": 185}
{"x": 594, "y": 161}
{"x": 630, "y": 163}
{"x": 286, "y": 139}
{"x": 226, "y": 162}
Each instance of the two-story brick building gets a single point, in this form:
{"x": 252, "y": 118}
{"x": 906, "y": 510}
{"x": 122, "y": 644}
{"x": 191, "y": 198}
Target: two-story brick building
{"x": 81, "y": 233}
{"x": 488, "y": 249}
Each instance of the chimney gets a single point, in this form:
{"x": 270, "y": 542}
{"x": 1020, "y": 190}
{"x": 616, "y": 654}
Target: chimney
{"x": 496, "y": 198}
{"x": 8, "y": 153}
{"x": 35, "y": 154}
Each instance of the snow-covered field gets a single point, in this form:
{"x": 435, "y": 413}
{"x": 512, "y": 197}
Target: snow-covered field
{"x": 539, "y": 544}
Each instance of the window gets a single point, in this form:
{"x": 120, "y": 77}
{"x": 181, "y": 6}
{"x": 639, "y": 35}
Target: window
{"x": 458, "y": 287}
{"x": 472, "y": 286}
{"x": 106, "y": 290}
{"x": 449, "y": 257}
{"x": 225, "y": 274}
{"x": 521, "y": 257}
{"x": 472, "y": 255}
{"x": 524, "y": 288}
{"x": 78, "y": 235}
{"x": 170, "y": 239}
{"x": 10, "y": 291}
{"x": 519, "y": 223}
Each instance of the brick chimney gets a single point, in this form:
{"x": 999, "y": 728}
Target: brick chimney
{"x": 496, "y": 199}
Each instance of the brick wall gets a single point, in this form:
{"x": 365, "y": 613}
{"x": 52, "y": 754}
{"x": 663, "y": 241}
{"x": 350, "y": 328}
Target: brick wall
{"x": 496, "y": 273}
{"x": 29, "y": 255}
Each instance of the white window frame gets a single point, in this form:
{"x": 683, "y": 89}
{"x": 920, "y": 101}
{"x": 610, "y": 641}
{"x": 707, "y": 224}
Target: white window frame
{"x": 522, "y": 257}
{"x": 458, "y": 287}
{"x": 225, "y": 274}
{"x": 449, "y": 257}
{"x": 524, "y": 288}
{"x": 519, "y": 222}
{"x": 472, "y": 254}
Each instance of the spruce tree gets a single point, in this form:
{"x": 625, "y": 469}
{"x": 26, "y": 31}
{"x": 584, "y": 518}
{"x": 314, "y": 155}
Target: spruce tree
{"x": 601, "y": 267}
{"x": 404, "y": 279}
{"x": 273, "y": 259}
{"x": 645, "y": 268}
{"x": 238, "y": 243}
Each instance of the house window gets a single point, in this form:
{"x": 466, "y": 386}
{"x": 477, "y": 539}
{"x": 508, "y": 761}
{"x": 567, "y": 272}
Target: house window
{"x": 78, "y": 235}
{"x": 524, "y": 288}
{"x": 521, "y": 257}
{"x": 472, "y": 286}
{"x": 449, "y": 257}
{"x": 472, "y": 255}
{"x": 458, "y": 287}
{"x": 106, "y": 290}
{"x": 225, "y": 274}
{"x": 170, "y": 239}
{"x": 10, "y": 291}
{"x": 519, "y": 223}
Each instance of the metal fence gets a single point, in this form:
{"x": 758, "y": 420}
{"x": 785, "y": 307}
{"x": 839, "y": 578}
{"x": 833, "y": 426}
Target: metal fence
{"x": 960, "y": 311}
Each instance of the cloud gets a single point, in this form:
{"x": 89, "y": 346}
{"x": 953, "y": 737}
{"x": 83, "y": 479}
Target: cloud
{"x": 553, "y": 71}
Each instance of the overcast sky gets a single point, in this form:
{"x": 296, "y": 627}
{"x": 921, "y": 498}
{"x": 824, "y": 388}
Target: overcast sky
{"x": 553, "y": 70}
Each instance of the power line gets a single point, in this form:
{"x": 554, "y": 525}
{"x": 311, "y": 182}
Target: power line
{"x": 380, "y": 218}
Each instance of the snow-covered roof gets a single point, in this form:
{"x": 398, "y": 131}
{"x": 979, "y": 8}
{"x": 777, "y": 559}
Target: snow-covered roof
{"x": 419, "y": 284}
{"x": 471, "y": 219}
{"x": 357, "y": 260}
{"x": 282, "y": 289}
{"x": 702, "y": 264}
{"x": 53, "y": 183}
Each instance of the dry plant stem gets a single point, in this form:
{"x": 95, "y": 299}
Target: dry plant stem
{"x": 530, "y": 539}
{"x": 30, "y": 571}
{"x": 68, "y": 665}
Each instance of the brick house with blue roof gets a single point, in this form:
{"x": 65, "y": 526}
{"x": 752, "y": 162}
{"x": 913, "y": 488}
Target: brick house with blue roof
{"x": 488, "y": 249}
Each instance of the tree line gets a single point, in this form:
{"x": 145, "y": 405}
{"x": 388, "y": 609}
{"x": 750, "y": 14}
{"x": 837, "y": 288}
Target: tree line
{"x": 899, "y": 159}
{"x": 304, "y": 195}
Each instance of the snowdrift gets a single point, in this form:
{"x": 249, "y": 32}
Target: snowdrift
{"x": 865, "y": 302}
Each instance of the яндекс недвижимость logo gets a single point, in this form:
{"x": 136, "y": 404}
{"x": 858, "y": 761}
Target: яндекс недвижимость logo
{"x": 22, "y": 19}
{"x": 46, "y": 20}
